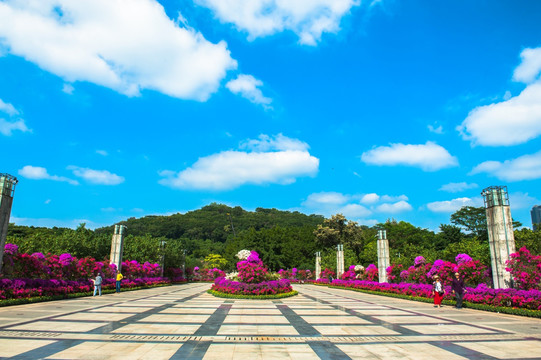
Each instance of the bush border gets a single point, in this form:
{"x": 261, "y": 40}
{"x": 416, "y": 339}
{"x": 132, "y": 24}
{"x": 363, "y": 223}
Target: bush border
{"x": 465, "y": 304}
{"x": 38, "y": 299}
{"x": 252, "y": 297}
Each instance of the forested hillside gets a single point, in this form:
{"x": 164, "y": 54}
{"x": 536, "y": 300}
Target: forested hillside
{"x": 284, "y": 239}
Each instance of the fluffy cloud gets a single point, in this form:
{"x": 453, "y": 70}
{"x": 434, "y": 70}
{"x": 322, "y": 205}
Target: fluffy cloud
{"x": 370, "y": 198}
{"x": 328, "y": 203}
{"x": 526, "y": 167}
{"x": 457, "y": 187}
{"x": 101, "y": 177}
{"x": 226, "y": 170}
{"x": 125, "y": 46}
{"x": 429, "y": 157}
{"x": 530, "y": 68}
{"x": 7, "y": 127}
{"x": 325, "y": 198}
{"x": 520, "y": 200}
{"x": 308, "y": 19}
{"x": 8, "y": 108}
{"x": 515, "y": 120}
{"x": 278, "y": 142}
{"x": 248, "y": 87}
{"x": 450, "y": 206}
{"x": 394, "y": 208}
{"x": 40, "y": 173}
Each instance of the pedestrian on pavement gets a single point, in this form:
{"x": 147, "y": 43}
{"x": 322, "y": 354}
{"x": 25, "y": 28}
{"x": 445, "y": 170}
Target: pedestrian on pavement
{"x": 437, "y": 291}
{"x": 458, "y": 289}
{"x": 97, "y": 284}
{"x": 119, "y": 278}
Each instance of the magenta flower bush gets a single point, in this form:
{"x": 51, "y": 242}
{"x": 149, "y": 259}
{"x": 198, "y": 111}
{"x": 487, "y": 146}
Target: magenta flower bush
{"x": 419, "y": 260}
{"x": 295, "y": 274}
{"x": 326, "y": 273}
{"x": 26, "y": 288}
{"x": 27, "y": 275}
{"x": 526, "y": 299}
{"x": 272, "y": 287}
{"x": 208, "y": 274}
{"x": 252, "y": 270}
{"x": 525, "y": 269}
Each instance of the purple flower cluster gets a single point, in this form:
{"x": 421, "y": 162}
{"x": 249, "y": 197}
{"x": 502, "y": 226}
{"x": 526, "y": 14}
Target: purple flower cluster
{"x": 419, "y": 260}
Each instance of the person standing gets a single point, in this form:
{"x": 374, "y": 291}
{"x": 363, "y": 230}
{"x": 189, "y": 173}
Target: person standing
{"x": 97, "y": 284}
{"x": 437, "y": 291}
{"x": 119, "y": 278}
{"x": 458, "y": 289}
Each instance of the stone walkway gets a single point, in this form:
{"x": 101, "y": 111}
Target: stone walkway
{"x": 184, "y": 322}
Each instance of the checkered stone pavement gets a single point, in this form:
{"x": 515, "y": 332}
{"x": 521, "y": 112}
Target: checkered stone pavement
{"x": 184, "y": 322}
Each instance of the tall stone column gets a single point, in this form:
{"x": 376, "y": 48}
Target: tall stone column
{"x": 339, "y": 261}
{"x": 383, "y": 255}
{"x": 318, "y": 264}
{"x": 117, "y": 246}
{"x": 500, "y": 233}
{"x": 7, "y": 190}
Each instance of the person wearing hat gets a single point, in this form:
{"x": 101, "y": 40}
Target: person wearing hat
{"x": 458, "y": 289}
{"x": 437, "y": 291}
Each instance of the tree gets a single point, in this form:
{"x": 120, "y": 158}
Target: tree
{"x": 472, "y": 219}
{"x": 214, "y": 261}
{"x": 339, "y": 230}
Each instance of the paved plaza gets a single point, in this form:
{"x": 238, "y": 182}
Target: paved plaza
{"x": 184, "y": 322}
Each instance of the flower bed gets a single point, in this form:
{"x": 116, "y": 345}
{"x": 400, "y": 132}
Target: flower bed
{"x": 273, "y": 287}
{"x": 254, "y": 281}
{"x": 483, "y": 295}
{"x": 17, "y": 291}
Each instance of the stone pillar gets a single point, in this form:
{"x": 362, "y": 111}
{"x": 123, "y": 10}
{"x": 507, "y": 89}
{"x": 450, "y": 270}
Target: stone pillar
{"x": 117, "y": 246}
{"x": 318, "y": 264}
{"x": 7, "y": 190}
{"x": 339, "y": 261}
{"x": 383, "y": 255}
{"x": 500, "y": 234}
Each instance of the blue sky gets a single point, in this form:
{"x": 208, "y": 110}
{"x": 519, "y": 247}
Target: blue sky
{"x": 380, "y": 109}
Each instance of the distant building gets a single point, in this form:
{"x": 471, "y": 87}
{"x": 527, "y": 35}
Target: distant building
{"x": 536, "y": 217}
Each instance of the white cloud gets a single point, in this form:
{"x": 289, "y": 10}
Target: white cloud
{"x": 457, "y": 187}
{"x": 101, "y": 177}
{"x": 525, "y": 167}
{"x": 530, "y": 68}
{"x": 309, "y": 19}
{"x": 248, "y": 87}
{"x": 8, "y": 108}
{"x": 278, "y": 142}
{"x": 231, "y": 169}
{"x": 394, "y": 208}
{"x": 520, "y": 200}
{"x": 436, "y": 130}
{"x": 450, "y": 206}
{"x": 102, "y": 152}
{"x": 48, "y": 201}
{"x": 370, "y": 198}
{"x": 7, "y": 127}
{"x": 328, "y": 203}
{"x": 506, "y": 123}
{"x": 324, "y": 199}
{"x": 354, "y": 211}
{"x": 389, "y": 198}
{"x": 125, "y": 46}
{"x": 68, "y": 89}
{"x": 40, "y": 173}
{"x": 515, "y": 120}
{"x": 429, "y": 157}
